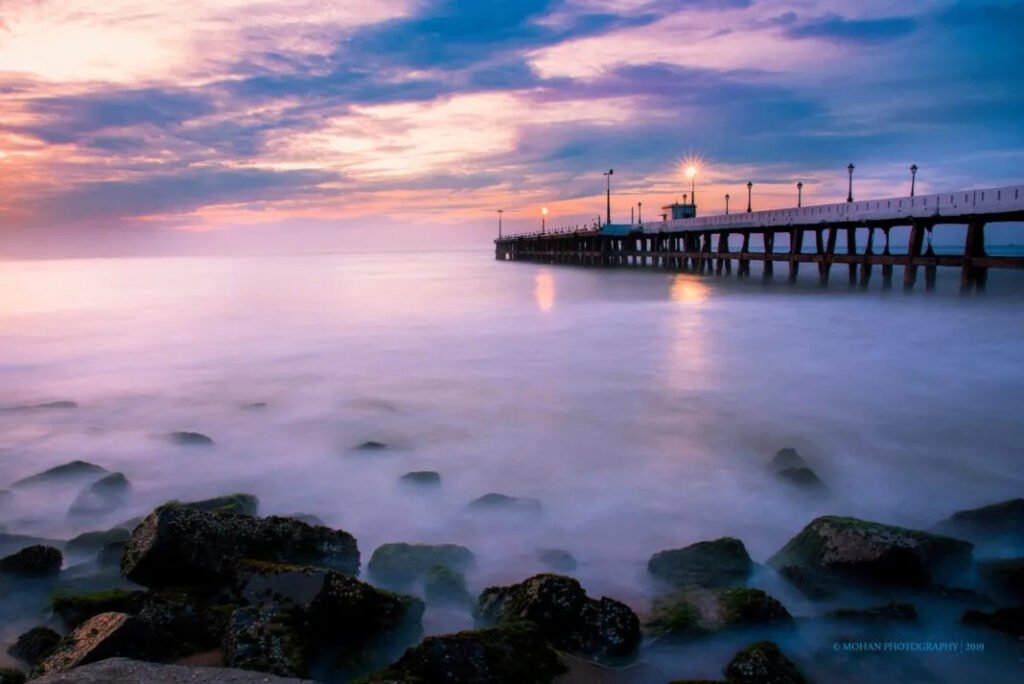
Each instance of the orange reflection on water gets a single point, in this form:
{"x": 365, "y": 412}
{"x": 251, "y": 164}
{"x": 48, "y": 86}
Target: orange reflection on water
{"x": 687, "y": 289}
{"x": 544, "y": 290}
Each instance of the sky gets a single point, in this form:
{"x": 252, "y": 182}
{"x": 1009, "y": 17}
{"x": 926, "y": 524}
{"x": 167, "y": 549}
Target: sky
{"x": 146, "y": 126}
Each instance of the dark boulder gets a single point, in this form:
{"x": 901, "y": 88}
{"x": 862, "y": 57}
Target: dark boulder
{"x": 422, "y": 478}
{"x": 110, "y": 555}
{"x": 698, "y": 611}
{"x": 509, "y": 654}
{"x": 107, "y": 635}
{"x": 102, "y": 496}
{"x": 501, "y": 503}
{"x": 176, "y": 546}
{"x": 1009, "y": 621}
{"x": 34, "y": 645}
{"x": 444, "y": 585}
{"x": 998, "y": 523}
{"x": 74, "y": 609}
{"x": 804, "y": 478}
{"x": 12, "y": 543}
{"x": 719, "y": 563}
{"x": 190, "y": 439}
{"x": 401, "y": 564}
{"x": 75, "y": 471}
{"x": 832, "y": 551}
{"x": 370, "y": 445}
{"x": 9, "y": 675}
{"x": 33, "y": 561}
{"x": 602, "y": 628}
{"x": 266, "y": 640}
{"x": 307, "y": 518}
{"x": 91, "y": 543}
{"x": 787, "y": 458}
{"x": 762, "y": 663}
{"x": 1004, "y": 578}
{"x": 557, "y": 560}
{"x": 890, "y": 612}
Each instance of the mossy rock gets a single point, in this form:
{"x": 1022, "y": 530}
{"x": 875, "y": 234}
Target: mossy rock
{"x": 8, "y": 675}
{"x": 236, "y": 504}
{"x": 832, "y": 551}
{"x": 603, "y": 629}
{"x": 444, "y": 585}
{"x": 74, "y": 609}
{"x": 190, "y": 439}
{"x": 93, "y": 542}
{"x": 493, "y": 502}
{"x": 762, "y": 663}
{"x": 787, "y": 458}
{"x": 997, "y": 523}
{"x": 266, "y": 640}
{"x": 509, "y": 654}
{"x": 803, "y": 478}
{"x": 1005, "y": 577}
{"x": 422, "y": 478}
{"x": 101, "y": 497}
{"x": 33, "y": 561}
{"x": 718, "y": 563}
{"x": 400, "y": 564}
{"x": 34, "y": 645}
{"x": 698, "y": 611}
{"x": 75, "y": 471}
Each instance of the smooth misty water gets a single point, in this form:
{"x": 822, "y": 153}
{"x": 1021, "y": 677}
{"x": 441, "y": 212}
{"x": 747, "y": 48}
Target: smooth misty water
{"x": 640, "y": 408}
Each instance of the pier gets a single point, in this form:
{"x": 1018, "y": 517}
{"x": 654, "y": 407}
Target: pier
{"x": 858, "y": 235}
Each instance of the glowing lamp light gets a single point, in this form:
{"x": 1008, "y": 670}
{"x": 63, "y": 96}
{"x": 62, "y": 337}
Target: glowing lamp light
{"x": 544, "y": 211}
{"x": 691, "y": 171}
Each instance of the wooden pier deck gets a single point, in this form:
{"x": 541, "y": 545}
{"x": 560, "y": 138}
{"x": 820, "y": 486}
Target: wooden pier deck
{"x": 711, "y": 244}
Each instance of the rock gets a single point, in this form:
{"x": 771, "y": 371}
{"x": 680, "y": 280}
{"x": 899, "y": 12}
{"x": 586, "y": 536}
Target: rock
{"x": 180, "y": 546}
{"x": 402, "y": 564}
{"x": 51, "y": 405}
{"x": 762, "y": 663}
{"x": 106, "y": 635}
{"x": 34, "y": 645}
{"x": 1006, "y": 620}
{"x": 444, "y": 585}
{"x": 787, "y": 458}
{"x": 8, "y": 675}
{"x": 190, "y": 439}
{"x": 101, "y": 497}
{"x": 299, "y": 615}
{"x": 999, "y": 523}
{"x": 125, "y": 671}
{"x": 370, "y": 445}
{"x": 185, "y": 621}
{"x": 557, "y": 560}
{"x": 33, "y": 561}
{"x": 307, "y": 518}
{"x": 254, "y": 406}
{"x": 74, "y": 609}
{"x": 238, "y": 503}
{"x": 493, "y": 502}
{"x": 509, "y": 654}
{"x": 265, "y": 639}
{"x": 890, "y": 612}
{"x": 698, "y": 611}
{"x": 75, "y": 471}
{"x": 804, "y": 478}
{"x": 1005, "y": 577}
{"x": 719, "y": 563}
{"x": 603, "y": 629}
{"x": 91, "y": 543}
{"x": 832, "y": 550}
{"x": 422, "y": 478}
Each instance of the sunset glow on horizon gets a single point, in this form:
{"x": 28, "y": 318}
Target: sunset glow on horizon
{"x": 142, "y": 122}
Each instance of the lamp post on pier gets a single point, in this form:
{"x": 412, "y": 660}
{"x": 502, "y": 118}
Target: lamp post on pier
{"x": 913, "y": 177}
{"x": 543, "y": 219}
{"x": 726, "y": 204}
{"x": 750, "y": 188}
{"x": 500, "y": 212}
{"x": 691, "y": 173}
{"x": 799, "y": 194}
{"x": 608, "y": 194}
{"x": 640, "y": 212}
{"x": 849, "y": 194}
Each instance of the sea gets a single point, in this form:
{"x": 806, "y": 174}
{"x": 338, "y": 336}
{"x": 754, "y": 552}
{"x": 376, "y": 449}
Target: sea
{"x": 641, "y": 408}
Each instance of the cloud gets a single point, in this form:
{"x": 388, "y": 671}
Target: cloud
{"x": 862, "y": 31}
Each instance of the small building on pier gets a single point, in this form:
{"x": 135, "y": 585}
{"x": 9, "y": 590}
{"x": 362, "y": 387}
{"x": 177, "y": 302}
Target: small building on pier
{"x": 677, "y": 210}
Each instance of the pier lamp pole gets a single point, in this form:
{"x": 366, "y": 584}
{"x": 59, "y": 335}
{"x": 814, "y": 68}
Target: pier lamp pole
{"x": 726, "y": 204}
{"x": 640, "y": 212}
{"x": 691, "y": 173}
{"x": 543, "y": 219}
{"x": 849, "y": 194}
{"x": 500, "y": 212}
{"x": 799, "y": 194}
{"x": 913, "y": 177}
{"x": 608, "y": 194}
{"x": 750, "y": 187}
